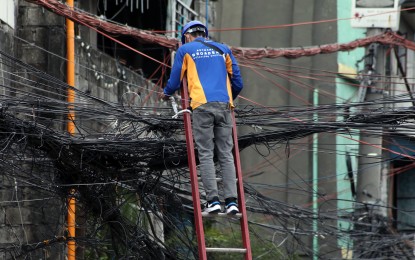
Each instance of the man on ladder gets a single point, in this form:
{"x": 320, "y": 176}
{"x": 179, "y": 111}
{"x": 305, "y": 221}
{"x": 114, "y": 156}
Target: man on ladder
{"x": 214, "y": 81}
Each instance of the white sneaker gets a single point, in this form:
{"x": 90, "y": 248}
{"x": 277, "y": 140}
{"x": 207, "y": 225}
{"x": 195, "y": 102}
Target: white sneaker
{"x": 232, "y": 208}
{"x": 212, "y": 207}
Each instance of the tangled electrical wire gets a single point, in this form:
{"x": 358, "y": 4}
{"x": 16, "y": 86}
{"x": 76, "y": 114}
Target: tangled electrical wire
{"x": 128, "y": 168}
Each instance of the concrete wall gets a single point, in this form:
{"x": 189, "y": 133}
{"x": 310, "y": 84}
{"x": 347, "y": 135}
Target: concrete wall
{"x": 40, "y": 28}
{"x": 39, "y": 39}
{"x": 7, "y": 46}
{"x": 26, "y": 217}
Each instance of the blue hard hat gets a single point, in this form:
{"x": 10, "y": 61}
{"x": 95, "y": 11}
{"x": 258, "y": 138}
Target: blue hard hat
{"x": 191, "y": 24}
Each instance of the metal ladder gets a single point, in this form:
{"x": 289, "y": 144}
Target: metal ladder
{"x": 202, "y": 249}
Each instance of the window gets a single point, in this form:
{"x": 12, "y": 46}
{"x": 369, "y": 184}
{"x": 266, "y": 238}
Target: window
{"x": 7, "y": 12}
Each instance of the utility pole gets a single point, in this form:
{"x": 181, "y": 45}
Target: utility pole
{"x": 371, "y": 192}
{"x": 70, "y": 45}
{"x": 372, "y": 179}
{"x": 369, "y": 184}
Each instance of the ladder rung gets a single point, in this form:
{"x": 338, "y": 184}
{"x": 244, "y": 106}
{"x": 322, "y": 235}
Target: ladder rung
{"x": 217, "y": 179}
{"x": 220, "y": 214}
{"x": 226, "y": 250}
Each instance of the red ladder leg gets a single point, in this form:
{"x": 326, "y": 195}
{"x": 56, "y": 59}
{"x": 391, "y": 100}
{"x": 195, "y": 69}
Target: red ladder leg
{"x": 241, "y": 194}
{"x": 200, "y": 234}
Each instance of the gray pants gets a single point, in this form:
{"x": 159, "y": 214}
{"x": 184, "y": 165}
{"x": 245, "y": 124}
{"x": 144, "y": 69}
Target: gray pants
{"x": 212, "y": 128}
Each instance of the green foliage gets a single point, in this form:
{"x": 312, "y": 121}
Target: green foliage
{"x": 102, "y": 252}
{"x": 180, "y": 239}
{"x": 130, "y": 210}
{"x": 179, "y": 244}
{"x": 229, "y": 236}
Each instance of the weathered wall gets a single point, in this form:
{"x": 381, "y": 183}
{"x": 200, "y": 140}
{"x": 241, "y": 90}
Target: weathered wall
{"x": 39, "y": 39}
{"x": 23, "y": 218}
{"x": 28, "y": 216}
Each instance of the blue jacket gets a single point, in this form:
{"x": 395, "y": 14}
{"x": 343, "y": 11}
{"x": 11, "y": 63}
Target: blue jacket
{"x": 210, "y": 76}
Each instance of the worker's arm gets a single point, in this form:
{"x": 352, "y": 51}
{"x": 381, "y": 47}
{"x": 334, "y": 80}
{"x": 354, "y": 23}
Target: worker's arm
{"x": 176, "y": 75}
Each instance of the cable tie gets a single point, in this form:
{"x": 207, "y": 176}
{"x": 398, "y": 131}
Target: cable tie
{"x": 181, "y": 112}
{"x": 256, "y": 127}
{"x": 243, "y": 52}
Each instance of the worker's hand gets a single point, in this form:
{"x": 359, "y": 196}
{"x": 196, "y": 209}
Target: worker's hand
{"x": 163, "y": 96}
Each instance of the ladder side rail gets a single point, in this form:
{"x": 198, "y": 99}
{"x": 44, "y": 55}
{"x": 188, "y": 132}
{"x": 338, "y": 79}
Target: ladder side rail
{"x": 193, "y": 173}
{"x": 241, "y": 194}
